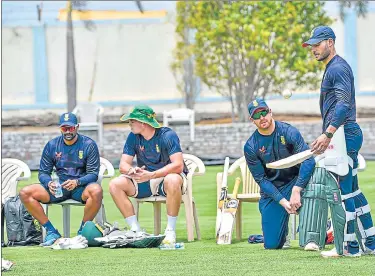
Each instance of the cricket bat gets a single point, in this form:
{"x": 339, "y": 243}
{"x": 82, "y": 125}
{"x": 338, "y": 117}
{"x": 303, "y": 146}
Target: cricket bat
{"x": 291, "y": 160}
{"x": 223, "y": 195}
{"x": 228, "y": 216}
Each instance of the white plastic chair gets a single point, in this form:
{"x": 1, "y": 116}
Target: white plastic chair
{"x": 250, "y": 193}
{"x": 105, "y": 165}
{"x": 196, "y": 167}
{"x": 181, "y": 115}
{"x": 90, "y": 119}
{"x": 11, "y": 173}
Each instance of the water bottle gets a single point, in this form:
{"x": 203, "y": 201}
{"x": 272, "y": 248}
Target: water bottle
{"x": 173, "y": 246}
{"x": 56, "y": 180}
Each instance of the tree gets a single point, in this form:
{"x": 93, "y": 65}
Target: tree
{"x": 183, "y": 65}
{"x": 71, "y": 75}
{"x": 359, "y": 6}
{"x": 248, "y": 49}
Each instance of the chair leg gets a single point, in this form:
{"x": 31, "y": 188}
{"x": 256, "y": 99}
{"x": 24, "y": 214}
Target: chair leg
{"x": 45, "y": 209}
{"x": 66, "y": 220}
{"x": 196, "y": 222}
{"x": 100, "y": 216}
{"x": 189, "y": 217}
{"x": 239, "y": 222}
{"x": 157, "y": 218}
{"x": 136, "y": 208}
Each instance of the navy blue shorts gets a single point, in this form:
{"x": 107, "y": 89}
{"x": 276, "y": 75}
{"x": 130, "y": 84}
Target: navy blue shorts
{"x": 76, "y": 194}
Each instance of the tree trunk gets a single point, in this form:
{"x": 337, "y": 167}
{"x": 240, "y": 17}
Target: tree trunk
{"x": 71, "y": 76}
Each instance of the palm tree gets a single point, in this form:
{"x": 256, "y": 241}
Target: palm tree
{"x": 71, "y": 76}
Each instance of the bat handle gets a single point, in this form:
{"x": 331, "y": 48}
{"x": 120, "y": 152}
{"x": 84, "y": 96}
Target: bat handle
{"x": 236, "y": 186}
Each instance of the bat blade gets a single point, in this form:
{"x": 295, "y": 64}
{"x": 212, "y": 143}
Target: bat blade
{"x": 223, "y": 195}
{"x": 228, "y": 217}
{"x": 291, "y": 160}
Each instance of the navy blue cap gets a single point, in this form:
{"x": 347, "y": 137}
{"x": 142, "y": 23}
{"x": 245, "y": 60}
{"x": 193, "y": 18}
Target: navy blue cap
{"x": 257, "y": 104}
{"x": 68, "y": 119}
{"x": 319, "y": 34}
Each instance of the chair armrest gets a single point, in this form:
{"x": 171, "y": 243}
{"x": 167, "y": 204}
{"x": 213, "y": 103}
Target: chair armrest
{"x": 109, "y": 167}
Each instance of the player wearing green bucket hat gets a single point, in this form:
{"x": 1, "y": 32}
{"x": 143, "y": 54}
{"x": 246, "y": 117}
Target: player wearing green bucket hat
{"x": 160, "y": 168}
{"x": 144, "y": 114}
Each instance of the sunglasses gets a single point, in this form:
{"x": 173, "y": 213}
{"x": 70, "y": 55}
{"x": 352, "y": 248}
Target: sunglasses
{"x": 263, "y": 113}
{"x": 68, "y": 128}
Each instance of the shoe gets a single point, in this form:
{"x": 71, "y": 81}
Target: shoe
{"x": 50, "y": 238}
{"x": 333, "y": 253}
{"x": 170, "y": 236}
{"x": 368, "y": 251}
{"x": 287, "y": 243}
{"x": 311, "y": 246}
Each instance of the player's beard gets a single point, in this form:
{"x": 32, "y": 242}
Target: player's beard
{"x": 69, "y": 136}
{"x": 325, "y": 54}
{"x": 265, "y": 124}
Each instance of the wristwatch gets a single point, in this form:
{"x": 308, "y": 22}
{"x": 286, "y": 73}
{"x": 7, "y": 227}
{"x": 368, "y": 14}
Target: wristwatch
{"x": 328, "y": 134}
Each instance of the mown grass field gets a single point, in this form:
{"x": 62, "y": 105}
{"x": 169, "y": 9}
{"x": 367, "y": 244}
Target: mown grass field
{"x": 200, "y": 257}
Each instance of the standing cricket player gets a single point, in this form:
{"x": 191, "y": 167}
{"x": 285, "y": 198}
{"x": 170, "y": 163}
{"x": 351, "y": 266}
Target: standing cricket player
{"x": 160, "y": 169}
{"x": 338, "y": 108}
{"x": 280, "y": 189}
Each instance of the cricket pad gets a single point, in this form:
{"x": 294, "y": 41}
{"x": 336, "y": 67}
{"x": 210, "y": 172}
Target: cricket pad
{"x": 321, "y": 191}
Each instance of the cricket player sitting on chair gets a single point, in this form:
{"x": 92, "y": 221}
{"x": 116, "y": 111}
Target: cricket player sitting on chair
{"x": 77, "y": 162}
{"x": 160, "y": 169}
{"x": 280, "y": 189}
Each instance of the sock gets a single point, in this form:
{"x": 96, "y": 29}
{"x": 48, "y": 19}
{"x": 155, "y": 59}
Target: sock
{"x": 49, "y": 227}
{"x": 171, "y": 223}
{"x": 133, "y": 223}
{"x": 80, "y": 228}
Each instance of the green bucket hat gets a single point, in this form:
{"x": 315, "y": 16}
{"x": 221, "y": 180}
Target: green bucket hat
{"x": 144, "y": 114}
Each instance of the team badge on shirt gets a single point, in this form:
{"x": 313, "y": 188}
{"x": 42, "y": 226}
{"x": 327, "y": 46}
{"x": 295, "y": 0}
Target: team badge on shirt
{"x": 80, "y": 154}
{"x": 262, "y": 150}
{"x": 141, "y": 148}
{"x": 58, "y": 154}
{"x": 157, "y": 148}
{"x": 282, "y": 140}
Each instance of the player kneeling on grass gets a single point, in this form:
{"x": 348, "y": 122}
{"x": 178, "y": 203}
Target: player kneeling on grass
{"x": 160, "y": 169}
{"x": 76, "y": 160}
{"x": 280, "y": 189}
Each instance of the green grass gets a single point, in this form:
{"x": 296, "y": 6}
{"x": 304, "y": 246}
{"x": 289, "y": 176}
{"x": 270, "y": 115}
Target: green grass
{"x": 199, "y": 257}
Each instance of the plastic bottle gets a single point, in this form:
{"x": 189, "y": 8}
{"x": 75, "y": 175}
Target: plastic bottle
{"x": 173, "y": 246}
{"x": 56, "y": 180}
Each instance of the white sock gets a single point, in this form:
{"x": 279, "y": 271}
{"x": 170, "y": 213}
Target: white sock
{"x": 133, "y": 223}
{"x": 172, "y": 223}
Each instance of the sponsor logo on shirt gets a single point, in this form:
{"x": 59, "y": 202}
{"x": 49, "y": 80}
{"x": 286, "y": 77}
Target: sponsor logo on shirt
{"x": 80, "y": 154}
{"x": 157, "y": 148}
{"x": 58, "y": 154}
{"x": 282, "y": 140}
{"x": 262, "y": 150}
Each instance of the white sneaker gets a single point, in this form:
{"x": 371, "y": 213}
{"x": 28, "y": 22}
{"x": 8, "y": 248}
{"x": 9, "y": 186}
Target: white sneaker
{"x": 311, "y": 246}
{"x": 170, "y": 236}
{"x": 287, "y": 243}
{"x": 368, "y": 251}
{"x": 333, "y": 254}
